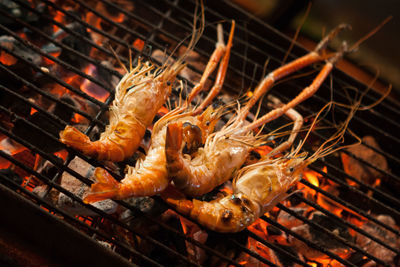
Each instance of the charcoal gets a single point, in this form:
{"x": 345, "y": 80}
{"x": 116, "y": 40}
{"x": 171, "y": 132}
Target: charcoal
{"x": 48, "y": 170}
{"x": 384, "y": 235}
{"x": 18, "y": 48}
{"x": 103, "y": 75}
{"x": 15, "y": 10}
{"x": 17, "y": 67}
{"x": 42, "y": 191}
{"x": 62, "y": 111}
{"x": 359, "y": 170}
{"x": 283, "y": 259}
{"x": 320, "y": 238}
{"x": 35, "y": 136}
{"x": 79, "y": 189}
{"x": 76, "y": 44}
{"x": 288, "y": 220}
{"x": 272, "y": 230}
{"x": 9, "y": 178}
{"x": 146, "y": 205}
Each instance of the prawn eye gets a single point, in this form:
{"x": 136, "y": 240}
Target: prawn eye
{"x": 168, "y": 83}
{"x": 291, "y": 169}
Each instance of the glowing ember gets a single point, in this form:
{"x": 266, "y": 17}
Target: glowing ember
{"x": 138, "y": 44}
{"x": 92, "y": 89}
{"x": 33, "y": 111}
{"x": 7, "y": 59}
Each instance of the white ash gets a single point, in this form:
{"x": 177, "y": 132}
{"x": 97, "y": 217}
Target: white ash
{"x": 79, "y": 189}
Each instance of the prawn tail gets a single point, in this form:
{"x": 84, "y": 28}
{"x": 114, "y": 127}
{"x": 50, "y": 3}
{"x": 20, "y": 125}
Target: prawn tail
{"x": 74, "y": 138}
{"x": 106, "y": 187}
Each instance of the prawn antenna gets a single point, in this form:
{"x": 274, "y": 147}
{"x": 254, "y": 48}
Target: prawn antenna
{"x": 118, "y": 59}
{"x": 297, "y": 32}
{"x": 371, "y": 33}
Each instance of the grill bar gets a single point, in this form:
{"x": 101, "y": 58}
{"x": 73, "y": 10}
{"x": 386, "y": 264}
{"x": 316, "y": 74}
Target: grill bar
{"x": 69, "y": 31}
{"x": 88, "y": 182}
{"x": 336, "y": 237}
{"x": 163, "y": 33}
{"x": 52, "y": 58}
{"x": 306, "y": 241}
{"x": 58, "y": 80}
{"x": 45, "y": 94}
{"x": 63, "y": 46}
{"x": 353, "y": 189}
{"x": 237, "y": 71}
{"x": 353, "y": 178}
{"x": 253, "y": 254}
{"x": 350, "y": 206}
{"x": 159, "y": 28}
{"x": 264, "y": 40}
{"x": 343, "y": 222}
{"x": 55, "y": 231}
{"x": 72, "y": 196}
{"x": 288, "y": 254}
{"x": 41, "y": 202}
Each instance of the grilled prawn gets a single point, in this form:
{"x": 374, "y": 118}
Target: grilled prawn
{"x": 256, "y": 191}
{"x": 150, "y": 176}
{"x": 257, "y": 188}
{"x": 226, "y": 150}
{"x": 138, "y": 97}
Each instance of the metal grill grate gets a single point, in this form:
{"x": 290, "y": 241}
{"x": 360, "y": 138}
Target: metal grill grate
{"x": 161, "y": 25}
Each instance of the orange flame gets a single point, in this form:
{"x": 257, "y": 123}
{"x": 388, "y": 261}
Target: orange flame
{"x": 312, "y": 177}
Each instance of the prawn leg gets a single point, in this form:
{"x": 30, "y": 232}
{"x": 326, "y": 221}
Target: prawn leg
{"x": 289, "y": 68}
{"x": 220, "y": 50}
{"x": 305, "y": 94}
{"x": 297, "y": 124}
{"x": 220, "y": 75}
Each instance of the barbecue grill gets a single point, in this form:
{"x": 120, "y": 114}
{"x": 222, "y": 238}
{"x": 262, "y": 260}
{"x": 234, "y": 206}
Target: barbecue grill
{"x": 52, "y": 47}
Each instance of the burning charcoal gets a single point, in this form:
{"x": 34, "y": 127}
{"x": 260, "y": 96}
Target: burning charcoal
{"x": 358, "y": 169}
{"x": 386, "y": 236}
{"x": 35, "y": 136}
{"x": 282, "y": 259}
{"x": 8, "y": 177}
{"x": 101, "y": 74}
{"x": 320, "y": 238}
{"x": 75, "y": 186}
{"x": 288, "y": 220}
